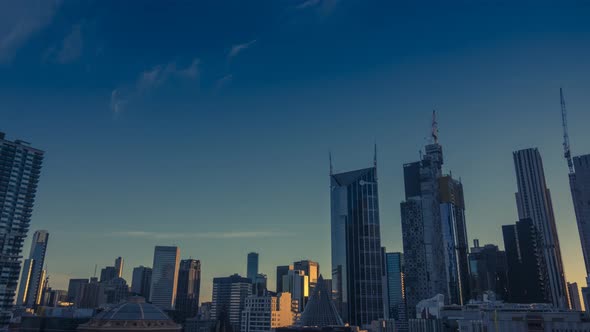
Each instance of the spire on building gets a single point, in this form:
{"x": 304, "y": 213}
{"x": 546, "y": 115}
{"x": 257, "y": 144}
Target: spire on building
{"x": 375, "y": 155}
{"x": 434, "y": 128}
{"x": 331, "y": 167}
{"x": 320, "y": 311}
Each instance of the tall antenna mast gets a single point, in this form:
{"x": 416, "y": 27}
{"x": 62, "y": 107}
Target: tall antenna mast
{"x": 434, "y": 128}
{"x": 331, "y": 167}
{"x": 566, "y": 139}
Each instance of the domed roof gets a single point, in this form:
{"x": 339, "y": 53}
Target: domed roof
{"x": 134, "y": 314}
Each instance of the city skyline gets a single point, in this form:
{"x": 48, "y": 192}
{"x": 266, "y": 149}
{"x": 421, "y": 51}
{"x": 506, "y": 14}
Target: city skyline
{"x": 99, "y": 163}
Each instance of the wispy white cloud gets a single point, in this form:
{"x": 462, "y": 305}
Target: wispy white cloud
{"x": 151, "y": 79}
{"x": 224, "y": 81}
{"x": 201, "y": 235}
{"x": 308, "y": 4}
{"x": 20, "y": 20}
{"x": 322, "y": 7}
{"x": 239, "y": 48}
{"x": 69, "y": 49}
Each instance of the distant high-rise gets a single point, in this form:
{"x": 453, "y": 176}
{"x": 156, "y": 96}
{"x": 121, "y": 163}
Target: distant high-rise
{"x": 282, "y": 271}
{"x": 433, "y": 231}
{"x": 259, "y": 286}
{"x": 296, "y": 282}
{"x": 108, "y": 273}
{"x": 75, "y": 290}
{"x": 356, "y": 245}
{"x": 252, "y": 268}
{"x": 119, "y": 266}
{"x": 526, "y": 276}
{"x": 311, "y": 269}
{"x": 396, "y": 296}
{"x": 533, "y": 200}
{"x": 165, "y": 276}
{"x": 31, "y": 283}
{"x": 229, "y": 298}
{"x": 189, "y": 288}
{"x": 489, "y": 271}
{"x": 574, "y": 295}
{"x": 141, "y": 281}
{"x": 20, "y": 167}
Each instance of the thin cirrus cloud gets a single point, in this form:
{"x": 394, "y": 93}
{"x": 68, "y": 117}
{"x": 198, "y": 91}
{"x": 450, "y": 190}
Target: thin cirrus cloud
{"x": 200, "y": 235}
{"x": 20, "y": 20}
{"x": 151, "y": 79}
{"x": 70, "y": 48}
{"x": 239, "y": 48}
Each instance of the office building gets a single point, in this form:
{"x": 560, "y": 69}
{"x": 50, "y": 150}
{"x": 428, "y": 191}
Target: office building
{"x": 229, "y": 299}
{"x": 574, "y": 296}
{"x": 452, "y": 210}
{"x": 141, "y": 281}
{"x": 533, "y": 201}
{"x": 281, "y": 272}
{"x": 92, "y": 295}
{"x": 526, "y": 274}
{"x": 119, "y": 266}
{"x": 311, "y": 269}
{"x": 297, "y": 283}
{"x": 75, "y": 289}
{"x": 259, "y": 286}
{"x": 355, "y": 227}
{"x": 489, "y": 271}
{"x": 31, "y": 283}
{"x": 252, "y": 267}
{"x": 396, "y": 297}
{"x": 20, "y": 167}
{"x": 433, "y": 231}
{"x": 264, "y": 313}
{"x": 165, "y": 276}
{"x": 189, "y": 288}
{"x": 108, "y": 273}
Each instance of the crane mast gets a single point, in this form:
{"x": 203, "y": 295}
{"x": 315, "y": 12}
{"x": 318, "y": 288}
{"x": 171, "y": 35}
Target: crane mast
{"x": 566, "y": 139}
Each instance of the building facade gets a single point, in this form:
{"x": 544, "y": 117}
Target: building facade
{"x": 165, "y": 276}
{"x": 533, "y": 200}
{"x": 489, "y": 271}
{"x": 311, "y": 269}
{"x": 189, "y": 287}
{"x": 20, "y": 167}
{"x": 526, "y": 274}
{"x": 574, "y": 295}
{"x": 141, "y": 281}
{"x": 356, "y": 246}
{"x": 297, "y": 284}
{"x": 252, "y": 266}
{"x": 32, "y": 278}
{"x": 229, "y": 298}
{"x": 396, "y": 296}
{"x": 267, "y": 312}
{"x": 119, "y": 266}
{"x": 282, "y": 271}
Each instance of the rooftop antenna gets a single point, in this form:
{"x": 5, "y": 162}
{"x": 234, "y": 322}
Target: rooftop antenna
{"x": 95, "y": 267}
{"x": 434, "y": 128}
{"x": 566, "y": 139}
{"x": 331, "y": 167}
{"x": 375, "y": 155}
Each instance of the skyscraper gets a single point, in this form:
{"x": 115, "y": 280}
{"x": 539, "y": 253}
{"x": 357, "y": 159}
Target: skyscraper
{"x": 489, "y": 271}
{"x": 433, "y": 230}
{"x": 252, "y": 267}
{"x": 526, "y": 274}
{"x": 119, "y": 266}
{"x": 311, "y": 269}
{"x": 533, "y": 200}
{"x": 32, "y": 280}
{"x": 356, "y": 245}
{"x": 296, "y": 282}
{"x": 189, "y": 288}
{"x": 574, "y": 295}
{"x": 20, "y": 167}
{"x": 396, "y": 296}
{"x": 165, "y": 276}
{"x": 75, "y": 290}
{"x": 229, "y": 297}
{"x": 141, "y": 281}
{"x": 108, "y": 273}
{"x": 282, "y": 271}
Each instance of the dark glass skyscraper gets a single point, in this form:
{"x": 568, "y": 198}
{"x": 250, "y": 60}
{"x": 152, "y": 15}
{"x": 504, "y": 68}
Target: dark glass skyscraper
{"x": 533, "y": 200}
{"x": 188, "y": 288}
{"x": 141, "y": 281}
{"x": 282, "y": 271}
{"x": 526, "y": 273}
{"x": 32, "y": 278}
{"x": 396, "y": 296}
{"x": 20, "y": 167}
{"x": 229, "y": 298}
{"x": 252, "y": 267}
{"x": 489, "y": 271}
{"x": 356, "y": 246}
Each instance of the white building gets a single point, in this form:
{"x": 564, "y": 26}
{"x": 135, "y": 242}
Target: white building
{"x": 267, "y": 312}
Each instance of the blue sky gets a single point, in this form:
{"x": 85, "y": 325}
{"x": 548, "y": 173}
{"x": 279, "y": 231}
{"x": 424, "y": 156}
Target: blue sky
{"x": 207, "y": 124}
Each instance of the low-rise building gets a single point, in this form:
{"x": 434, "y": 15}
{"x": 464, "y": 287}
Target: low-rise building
{"x": 267, "y": 312}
